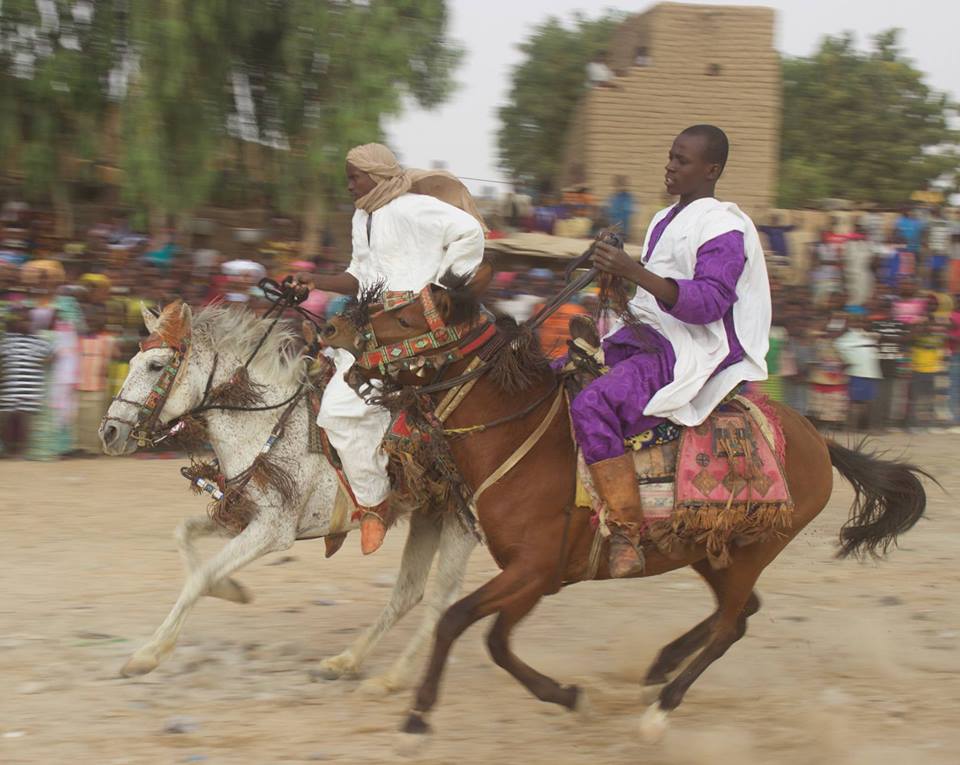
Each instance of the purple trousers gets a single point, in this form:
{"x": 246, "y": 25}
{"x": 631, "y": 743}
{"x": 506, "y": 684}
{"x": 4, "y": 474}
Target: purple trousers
{"x": 610, "y": 408}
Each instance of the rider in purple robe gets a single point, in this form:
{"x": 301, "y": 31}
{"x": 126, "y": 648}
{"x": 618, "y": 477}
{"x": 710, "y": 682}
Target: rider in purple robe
{"x": 703, "y": 307}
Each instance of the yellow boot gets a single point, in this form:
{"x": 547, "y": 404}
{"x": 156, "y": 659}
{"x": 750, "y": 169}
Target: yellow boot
{"x": 616, "y": 482}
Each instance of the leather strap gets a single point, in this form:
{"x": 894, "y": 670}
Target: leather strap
{"x": 522, "y": 450}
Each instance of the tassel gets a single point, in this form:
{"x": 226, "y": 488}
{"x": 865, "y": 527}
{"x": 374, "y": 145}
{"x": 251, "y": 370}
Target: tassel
{"x": 238, "y": 391}
{"x": 267, "y": 474}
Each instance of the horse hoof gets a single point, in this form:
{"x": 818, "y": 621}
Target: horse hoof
{"x": 140, "y": 665}
{"x": 336, "y": 667}
{"x": 410, "y": 746}
{"x": 573, "y": 694}
{"x": 582, "y": 707}
{"x": 232, "y": 590}
{"x": 653, "y": 724}
{"x": 377, "y": 687}
{"x": 415, "y": 725}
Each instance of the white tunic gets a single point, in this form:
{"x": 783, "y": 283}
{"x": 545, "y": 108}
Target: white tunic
{"x": 701, "y": 348}
{"x": 414, "y": 240}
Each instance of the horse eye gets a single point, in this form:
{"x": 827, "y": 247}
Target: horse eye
{"x": 403, "y": 322}
{"x": 155, "y": 366}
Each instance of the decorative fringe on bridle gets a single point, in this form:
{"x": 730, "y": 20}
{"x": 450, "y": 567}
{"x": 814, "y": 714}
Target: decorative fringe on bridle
{"x": 420, "y": 464}
{"x": 188, "y": 435}
{"x": 235, "y": 511}
{"x": 204, "y": 469}
{"x": 238, "y": 391}
{"x": 521, "y": 363}
{"x": 267, "y": 473}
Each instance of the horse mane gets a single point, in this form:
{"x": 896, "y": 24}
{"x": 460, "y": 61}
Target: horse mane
{"x": 238, "y": 330}
{"x": 521, "y": 363}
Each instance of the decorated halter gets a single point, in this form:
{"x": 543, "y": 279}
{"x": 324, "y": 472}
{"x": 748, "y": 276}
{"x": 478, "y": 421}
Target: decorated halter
{"x": 409, "y": 353}
{"x": 144, "y": 427}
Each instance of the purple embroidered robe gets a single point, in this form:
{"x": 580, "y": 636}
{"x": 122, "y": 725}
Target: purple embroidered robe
{"x": 610, "y": 409}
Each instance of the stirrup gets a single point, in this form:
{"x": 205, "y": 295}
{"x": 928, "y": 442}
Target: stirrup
{"x": 621, "y": 542}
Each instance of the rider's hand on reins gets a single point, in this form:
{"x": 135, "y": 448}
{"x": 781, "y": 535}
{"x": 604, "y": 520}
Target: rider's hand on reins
{"x": 302, "y": 284}
{"x": 614, "y": 260}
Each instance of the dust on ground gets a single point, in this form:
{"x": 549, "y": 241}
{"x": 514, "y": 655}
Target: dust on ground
{"x": 846, "y": 663}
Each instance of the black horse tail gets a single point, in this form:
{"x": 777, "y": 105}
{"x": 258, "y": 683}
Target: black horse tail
{"x": 889, "y": 499}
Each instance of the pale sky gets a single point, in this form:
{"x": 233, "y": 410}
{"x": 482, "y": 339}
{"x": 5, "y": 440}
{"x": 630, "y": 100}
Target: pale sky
{"x": 462, "y": 133}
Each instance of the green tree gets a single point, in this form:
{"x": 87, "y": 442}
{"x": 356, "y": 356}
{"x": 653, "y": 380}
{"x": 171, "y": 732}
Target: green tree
{"x": 861, "y": 125}
{"x": 54, "y": 61}
{"x": 545, "y": 90}
{"x": 329, "y": 86}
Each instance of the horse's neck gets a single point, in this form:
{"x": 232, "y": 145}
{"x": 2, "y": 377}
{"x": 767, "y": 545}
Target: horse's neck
{"x": 486, "y": 403}
{"x": 238, "y": 436}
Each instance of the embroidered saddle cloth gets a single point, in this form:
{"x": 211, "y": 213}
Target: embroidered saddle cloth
{"x": 720, "y": 483}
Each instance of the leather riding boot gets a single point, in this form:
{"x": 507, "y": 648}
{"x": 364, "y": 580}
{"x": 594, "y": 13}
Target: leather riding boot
{"x": 373, "y": 527}
{"x": 615, "y": 480}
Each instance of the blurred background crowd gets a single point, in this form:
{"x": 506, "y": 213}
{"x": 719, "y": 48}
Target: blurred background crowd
{"x": 158, "y": 150}
{"x": 867, "y": 339}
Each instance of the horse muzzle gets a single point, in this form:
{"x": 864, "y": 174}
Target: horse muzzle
{"x": 115, "y": 438}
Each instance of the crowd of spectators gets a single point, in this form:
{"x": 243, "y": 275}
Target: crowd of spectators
{"x": 70, "y": 320}
{"x": 868, "y": 339}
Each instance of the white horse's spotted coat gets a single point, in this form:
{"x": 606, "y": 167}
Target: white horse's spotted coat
{"x": 237, "y": 438}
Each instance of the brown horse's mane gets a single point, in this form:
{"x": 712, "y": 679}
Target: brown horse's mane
{"x": 520, "y": 363}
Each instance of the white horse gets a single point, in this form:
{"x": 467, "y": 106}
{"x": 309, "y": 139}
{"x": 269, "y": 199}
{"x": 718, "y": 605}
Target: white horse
{"x": 229, "y": 336}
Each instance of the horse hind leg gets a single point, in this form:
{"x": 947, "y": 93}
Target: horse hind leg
{"x": 679, "y": 650}
{"x": 729, "y": 624}
{"x": 418, "y": 553}
{"x": 186, "y": 533}
{"x": 453, "y": 554}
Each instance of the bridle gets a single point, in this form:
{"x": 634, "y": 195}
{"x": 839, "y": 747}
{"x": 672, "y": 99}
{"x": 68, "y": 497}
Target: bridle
{"x": 144, "y": 429}
{"x": 431, "y": 348}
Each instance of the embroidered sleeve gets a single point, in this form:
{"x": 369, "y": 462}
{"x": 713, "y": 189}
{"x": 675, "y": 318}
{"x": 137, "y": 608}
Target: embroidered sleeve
{"x": 713, "y": 289}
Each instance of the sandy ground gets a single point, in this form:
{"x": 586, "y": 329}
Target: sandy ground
{"x": 846, "y": 663}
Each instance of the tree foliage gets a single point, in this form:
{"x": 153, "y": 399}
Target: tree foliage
{"x": 545, "y": 90}
{"x": 861, "y": 125}
{"x": 267, "y": 93}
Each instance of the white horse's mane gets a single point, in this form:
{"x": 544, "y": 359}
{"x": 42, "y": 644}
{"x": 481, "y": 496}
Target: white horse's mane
{"x": 238, "y": 330}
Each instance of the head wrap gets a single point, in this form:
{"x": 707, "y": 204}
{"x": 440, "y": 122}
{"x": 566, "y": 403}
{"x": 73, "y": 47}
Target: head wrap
{"x": 377, "y": 161}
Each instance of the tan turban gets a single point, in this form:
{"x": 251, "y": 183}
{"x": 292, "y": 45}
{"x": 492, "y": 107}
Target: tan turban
{"x": 377, "y": 161}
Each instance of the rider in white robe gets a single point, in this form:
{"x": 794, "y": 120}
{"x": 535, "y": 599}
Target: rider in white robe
{"x": 402, "y": 241}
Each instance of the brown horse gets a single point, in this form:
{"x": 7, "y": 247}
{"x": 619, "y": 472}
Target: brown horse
{"x": 537, "y": 537}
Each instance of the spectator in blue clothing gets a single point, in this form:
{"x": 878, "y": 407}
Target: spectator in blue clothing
{"x": 620, "y": 206}
{"x": 910, "y": 227}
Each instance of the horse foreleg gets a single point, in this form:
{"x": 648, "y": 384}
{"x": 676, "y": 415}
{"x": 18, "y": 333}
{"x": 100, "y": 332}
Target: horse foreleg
{"x": 677, "y": 651}
{"x": 193, "y": 528}
{"x": 498, "y": 643}
{"x": 418, "y": 552}
{"x": 456, "y": 544}
{"x": 258, "y": 539}
{"x": 478, "y": 604}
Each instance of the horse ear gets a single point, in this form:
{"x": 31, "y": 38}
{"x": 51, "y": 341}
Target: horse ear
{"x": 441, "y": 299}
{"x": 481, "y": 279}
{"x": 150, "y": 320}
{"x": 186, "y": 319}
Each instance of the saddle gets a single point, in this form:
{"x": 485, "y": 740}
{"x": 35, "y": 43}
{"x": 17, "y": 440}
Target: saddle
{"x": 720, "y": 483}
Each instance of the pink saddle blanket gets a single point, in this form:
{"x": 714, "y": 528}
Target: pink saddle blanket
{"x": 722, "y": 482}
